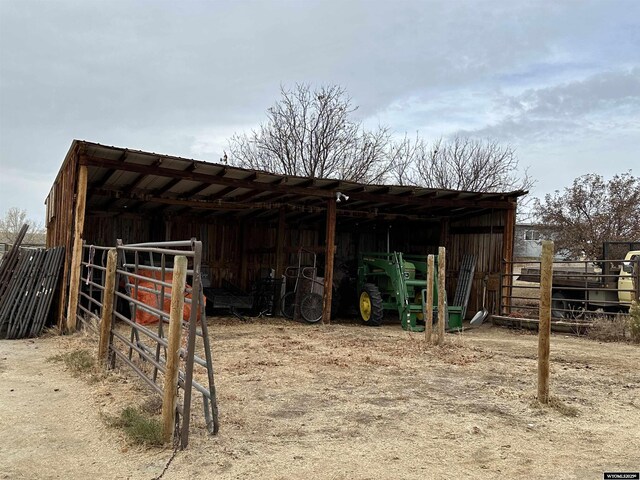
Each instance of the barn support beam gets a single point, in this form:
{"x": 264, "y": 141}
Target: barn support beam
{"x": 507, "y": 254}
{"x": 76, "y": 259}
{"x": 444, "y": 231}
{"x": 328, "y": 262}
{"x": 244, "y": 255}
{"x": 211, "y": 203}
{"x": 280, "y": 239}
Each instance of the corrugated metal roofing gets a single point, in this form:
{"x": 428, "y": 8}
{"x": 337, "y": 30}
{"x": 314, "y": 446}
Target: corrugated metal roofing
{"x": 126, "y": 175}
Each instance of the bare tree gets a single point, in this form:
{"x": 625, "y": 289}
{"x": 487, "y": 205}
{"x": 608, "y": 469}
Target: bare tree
{"x": 470, "y": 164}
{"x": 13, "y": 221}
{"x": 311, "y": 133}
{"x": 591, "y": 212}
{"x": 404, "y": 154}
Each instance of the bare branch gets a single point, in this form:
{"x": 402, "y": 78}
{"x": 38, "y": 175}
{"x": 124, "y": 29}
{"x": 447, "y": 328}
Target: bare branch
{"x": 591, "y": 212}
{"x": 13, "y": 221}
{"x": 310, "y": 133}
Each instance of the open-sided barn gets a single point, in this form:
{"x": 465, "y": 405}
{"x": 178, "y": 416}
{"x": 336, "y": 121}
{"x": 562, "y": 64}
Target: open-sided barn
{"x": 251, "y": 220}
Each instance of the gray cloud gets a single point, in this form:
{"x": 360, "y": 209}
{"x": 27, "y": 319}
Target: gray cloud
{"x": 180, "y": 77}
{"x": 594, "y": 105}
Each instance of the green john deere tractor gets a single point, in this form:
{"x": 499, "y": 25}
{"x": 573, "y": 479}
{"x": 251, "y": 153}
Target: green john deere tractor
{"x": 398, "y": 282}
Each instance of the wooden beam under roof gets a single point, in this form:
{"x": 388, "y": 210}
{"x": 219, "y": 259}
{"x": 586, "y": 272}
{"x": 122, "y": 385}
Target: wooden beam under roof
{"x": 331, "y": 185}
{"x": 174, "y": 181}
{"x": 220, "y": 194}
{"x": 138, "y": 180}
{"x": 195, "y": 190}
{"x": 428, "y": 202}
{"x": 374, "y": 197}
{"x": 202, "y": 177}
{"x": 272, "y": 196}
{"x": 102, "y": 181}
{"x": 247, "y": 196}
{"x": 219, "y": 205}
{"x": 133, "y": 185}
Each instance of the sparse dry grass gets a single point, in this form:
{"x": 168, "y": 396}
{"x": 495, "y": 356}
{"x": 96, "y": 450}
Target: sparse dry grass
{"x": 607, "y": 328}
{"x": 557, "y": 404}
{"x": 634, "y": 322}
{"x": 139, "y": 426}
{"x": 285, "y": 388}
{"x": 78, "y": 362}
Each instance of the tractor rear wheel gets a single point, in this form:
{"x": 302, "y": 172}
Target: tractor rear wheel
{"x": 370, "y": 304}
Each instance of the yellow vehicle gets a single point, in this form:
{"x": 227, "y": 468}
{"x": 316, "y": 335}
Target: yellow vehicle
{"x": 608, "y": 285}
{"x": 628, "y": 277}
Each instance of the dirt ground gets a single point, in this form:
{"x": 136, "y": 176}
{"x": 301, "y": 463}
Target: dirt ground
{"x": 342, "y": 402}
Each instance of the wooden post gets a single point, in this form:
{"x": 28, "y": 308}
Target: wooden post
{"x": 107, "y": 306}
{"x": 544, "y": 325}
{"x": 280, "y": 243}
{"x": 170, "y": 396}
{"x": 330, "y": 251}
{"x": 64, "y": 228}
{"x": 428, "y": 321}
{"x": 442, "y": 293}
{"x": 76, "y": 259}
{"x": 244, "y": 255}
{"x": 508, "y": 238}
{"x": 444, "y": 231}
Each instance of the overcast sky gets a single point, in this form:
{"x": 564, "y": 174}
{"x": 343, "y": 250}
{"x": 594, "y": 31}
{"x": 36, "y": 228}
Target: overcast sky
{"x": 558, "y": 80}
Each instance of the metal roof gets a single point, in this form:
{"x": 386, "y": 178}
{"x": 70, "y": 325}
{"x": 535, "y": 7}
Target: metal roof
{"x": 121, "y": 179}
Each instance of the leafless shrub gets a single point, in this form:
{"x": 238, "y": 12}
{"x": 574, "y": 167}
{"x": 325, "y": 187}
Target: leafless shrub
{"x": 634, "y": 322}
{"x": 609, "y": 328}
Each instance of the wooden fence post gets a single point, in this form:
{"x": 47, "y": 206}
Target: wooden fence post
{"x": 428, "y": 321}
{"x": 170, "y": 396}
{"x": 544, "y": 324}
{"x": 442, "y": 293}
{"x": 107, "y": 306}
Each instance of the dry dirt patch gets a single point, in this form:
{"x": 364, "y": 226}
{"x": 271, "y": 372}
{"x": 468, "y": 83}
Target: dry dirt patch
{"x": 345, "y": 401}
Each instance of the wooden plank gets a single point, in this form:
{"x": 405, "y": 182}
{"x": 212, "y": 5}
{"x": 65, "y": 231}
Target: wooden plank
{"x": 170, "y": 396}
{"x": 507, "y": 254}
{"x": 442, "y": 272}
{"x": 478, "y": 230}
{"x": 428, "y": 321}
{"x": 196, "y": 190}
{"x": 244, "y": 256}
{"x": 107, "y": 305}
{"x": 102, "y": 181}
{"x": 444, "y": 232}
{"x": 76, "y": 259}
{"x": 544, "y": 326}
{"x": 280, "y": 237}
{"x": 64, "y": 229}
{"x": 203, "y": 177}
{"x": 329, "y": 257}
{"x": 427, "y": 202}
{"x": 212, "y": 203}
{"x": 575, "y": 328}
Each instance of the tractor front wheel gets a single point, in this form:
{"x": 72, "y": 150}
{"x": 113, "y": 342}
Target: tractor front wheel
{"x": 371, "y": 305}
